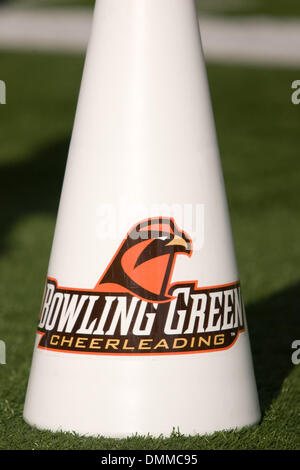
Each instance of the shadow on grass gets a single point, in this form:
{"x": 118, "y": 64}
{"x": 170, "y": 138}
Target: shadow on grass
{"x": 274, "y": 324}
{"x": 31, "y": 186}
{"x": 34, "y": 186}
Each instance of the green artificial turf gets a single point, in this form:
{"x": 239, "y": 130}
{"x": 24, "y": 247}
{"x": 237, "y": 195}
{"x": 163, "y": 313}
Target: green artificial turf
{"x": 250, "y": 7}
{"x": 232, "y": 7}
{"x": 258, "y": 130}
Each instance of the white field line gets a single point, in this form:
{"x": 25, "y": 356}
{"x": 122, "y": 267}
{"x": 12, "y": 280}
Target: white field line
{"x": 54, "y": 30}
{"x": 250, "y": 40}
{"x": 254, "y": 40}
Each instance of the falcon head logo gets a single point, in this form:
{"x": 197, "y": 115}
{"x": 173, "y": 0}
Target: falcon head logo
{"x": 144, "y": 263}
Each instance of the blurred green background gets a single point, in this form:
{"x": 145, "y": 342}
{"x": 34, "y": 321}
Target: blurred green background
{"x": 265, "y": 7}
{"x": 258, "y": 129}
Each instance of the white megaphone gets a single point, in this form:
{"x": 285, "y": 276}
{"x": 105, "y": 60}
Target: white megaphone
{"x": 142, "y": 327}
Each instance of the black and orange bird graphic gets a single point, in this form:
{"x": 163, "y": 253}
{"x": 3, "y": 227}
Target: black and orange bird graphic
{"x": 144, "y": 263}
